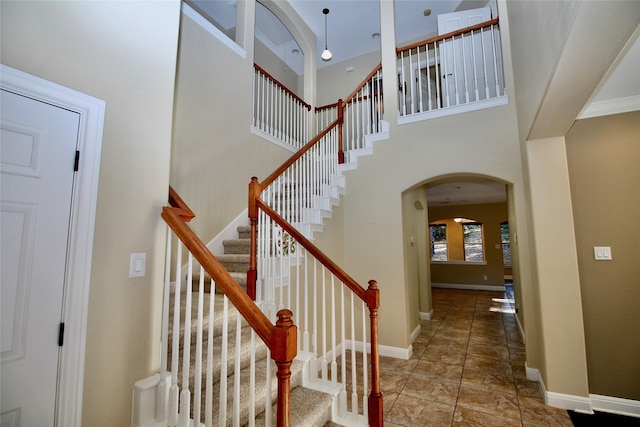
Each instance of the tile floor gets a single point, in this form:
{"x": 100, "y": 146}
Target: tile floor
{"x": 467, "y": 369}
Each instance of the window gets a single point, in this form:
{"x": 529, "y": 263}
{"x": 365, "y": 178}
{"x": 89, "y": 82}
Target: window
{"x": 457, "y": 240}
{"x": 506, "y": 243}
{"x": 473, "y": 250}
{"x": 438, "y": 242}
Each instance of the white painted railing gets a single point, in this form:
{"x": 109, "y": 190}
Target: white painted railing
{"x": 225, "y": 359}
{"x": 278, "y": 112}
{"x": 216, "y": 368}
{"x": 363, "y": 112}
{"x": 330, "y": 307}
{"x": 455, "y": 69}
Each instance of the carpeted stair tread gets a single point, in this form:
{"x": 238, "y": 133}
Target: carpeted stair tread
{"x": 237, "y": 246}
{"x": 309, "y": 408}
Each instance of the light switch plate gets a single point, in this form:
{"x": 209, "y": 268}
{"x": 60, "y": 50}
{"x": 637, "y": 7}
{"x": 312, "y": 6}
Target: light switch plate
{"x": 137, "y": 265}
{"x": 602, "y": 253}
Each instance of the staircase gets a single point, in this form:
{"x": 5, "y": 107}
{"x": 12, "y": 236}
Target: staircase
{"x": 308, "y": 407}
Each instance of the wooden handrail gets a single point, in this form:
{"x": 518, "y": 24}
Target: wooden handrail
{"x": 363, "y": 83}
{"x": 281, "y": 338}
{"x": 183, "y": 209}
{"x": 326, "y": 107}
{"x": 314, "y": 250}
{"x": 281, "y": 86}
{"x": 448, "y": 35}
{"x": 296, "y": 156}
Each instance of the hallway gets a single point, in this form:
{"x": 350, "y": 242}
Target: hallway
{"x": 467, "y": 369}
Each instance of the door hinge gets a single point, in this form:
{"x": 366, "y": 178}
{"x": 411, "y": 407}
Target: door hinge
{"x": 61, "y": 334}
{"x": 76, "y": 163}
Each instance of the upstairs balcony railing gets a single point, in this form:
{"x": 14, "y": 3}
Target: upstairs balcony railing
{"x": 278, "y": 112}
{"x": 456, "y": 69}
{"x": 362, "y": 113}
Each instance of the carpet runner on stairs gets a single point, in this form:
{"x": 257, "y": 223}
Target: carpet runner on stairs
{"x": 308, "y": 407}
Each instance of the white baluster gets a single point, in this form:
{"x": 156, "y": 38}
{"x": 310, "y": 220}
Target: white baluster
{"x": 354, "y": 370}
{"x": 161, "y": 402}
{"x": 464, "y": 69}
{"x": 267, "y": 409}
{"x": 208, "y": 414}
{"x": 495, "y": 63}
{"x": 334, "y": 363}
{"x": 252, "y": 381}
{"x": 197, "y": 387}
{"x": 224, "y": 349}
{"x": 365, "y": 366}
{"x": 343, "y": 392}
{"x": 325, "y": 375}
{"x": 236, "y": 373}
{"x": 175, "y": 345}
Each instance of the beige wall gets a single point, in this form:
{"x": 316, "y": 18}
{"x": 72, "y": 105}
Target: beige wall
{"x": 415, "y": 244}
{"x": 277, "y": 68}
{"x": 374, "y": 243}
{"x": 564, "y": 370}
{"x": 490, "y": 215}
{"x": 214, "y": 154}
{"x": 334, "y": 82}
{"x": 125, "y": 54}
{"x": 603, "y": 155}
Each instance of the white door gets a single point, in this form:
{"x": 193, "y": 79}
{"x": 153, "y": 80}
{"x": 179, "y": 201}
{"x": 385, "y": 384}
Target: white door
{"x": 464, "y": 61}
{"x": 38, "y": 145}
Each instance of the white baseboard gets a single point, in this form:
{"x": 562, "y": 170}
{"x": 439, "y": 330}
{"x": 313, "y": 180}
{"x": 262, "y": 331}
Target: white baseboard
{"x": 521, "y": 329}
{"x": 532, "y": 373}
{"x": 426, "y": 316}
{"x": 568, "y": 401}
{"x": 395, "y": 352}
{"x": 615, "y": 405}
{"x": 468, "y": 286}
{"x": 414, "y": 335}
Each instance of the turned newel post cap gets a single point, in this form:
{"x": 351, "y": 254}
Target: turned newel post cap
{"x": 284, "y": 318}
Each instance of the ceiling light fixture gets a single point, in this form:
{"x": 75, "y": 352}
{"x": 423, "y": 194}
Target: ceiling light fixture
{"x": 326, "y": 54}
{"x": 375, "y": 35}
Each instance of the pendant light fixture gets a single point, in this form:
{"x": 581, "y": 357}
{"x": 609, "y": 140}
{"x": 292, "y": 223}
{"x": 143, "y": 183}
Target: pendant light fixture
{"x": 326, "y": 54}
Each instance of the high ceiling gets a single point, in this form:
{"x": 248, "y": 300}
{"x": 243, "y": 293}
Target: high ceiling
{"x": 351, "y": 24}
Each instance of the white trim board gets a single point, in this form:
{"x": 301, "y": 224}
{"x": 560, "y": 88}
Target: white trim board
{"x": 211, "y": 29}
{"x": 83, "y": 211}
{"x": 614, "y": 405}
{"x": 611, "y": 106}
{"x": 426, "y": 316}
{"x": 468, "y": 287}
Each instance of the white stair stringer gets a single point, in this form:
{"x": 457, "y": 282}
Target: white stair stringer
{"x": 351, "y": 156}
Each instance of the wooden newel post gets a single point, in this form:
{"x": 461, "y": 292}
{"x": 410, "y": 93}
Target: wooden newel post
{"x": 340, "y": 123}
{"x": 375, "y": 397}
{"x": 252, "y": 274}
{"x": 285, "y": 339}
